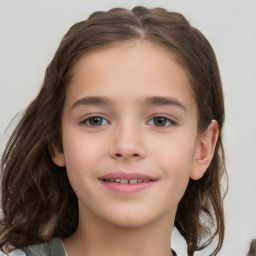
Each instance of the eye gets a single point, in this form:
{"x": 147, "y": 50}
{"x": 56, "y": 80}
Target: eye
{"x": 161, "y": 121}
{"x": 95, "y": 121}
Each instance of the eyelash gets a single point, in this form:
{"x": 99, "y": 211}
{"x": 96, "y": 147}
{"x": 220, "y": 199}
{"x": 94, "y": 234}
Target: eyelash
{"x": 91, "y": 118}
{"x": 167, "y": 121}
{"x": 103, "y": 121}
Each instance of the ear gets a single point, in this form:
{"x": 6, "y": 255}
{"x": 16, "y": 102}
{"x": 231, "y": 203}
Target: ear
{"x": 57, "y": 155}
{"x": 204, "y": 151}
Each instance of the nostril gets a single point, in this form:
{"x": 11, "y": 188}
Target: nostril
{"x": 120, "y": 155}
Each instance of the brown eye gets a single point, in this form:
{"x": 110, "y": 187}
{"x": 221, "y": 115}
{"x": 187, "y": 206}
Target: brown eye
{"x": 161, "y": 121}
{"x": 95, "y": 121}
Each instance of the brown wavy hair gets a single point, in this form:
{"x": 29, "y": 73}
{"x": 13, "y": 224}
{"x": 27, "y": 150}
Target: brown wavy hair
{"x": 38, "y": 202}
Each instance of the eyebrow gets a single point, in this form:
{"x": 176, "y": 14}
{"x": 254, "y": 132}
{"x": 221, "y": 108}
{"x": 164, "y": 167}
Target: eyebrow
{"x": 152, "y": 101}
{"x": 92, "y": 100}
{"x": 164, "y": 101}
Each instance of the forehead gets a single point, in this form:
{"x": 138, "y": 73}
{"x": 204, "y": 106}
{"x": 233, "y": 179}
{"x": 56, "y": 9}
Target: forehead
{"x": 141, "y": 66}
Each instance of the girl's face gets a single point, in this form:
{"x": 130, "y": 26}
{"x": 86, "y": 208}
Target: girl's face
{"x": 129, "y": 134}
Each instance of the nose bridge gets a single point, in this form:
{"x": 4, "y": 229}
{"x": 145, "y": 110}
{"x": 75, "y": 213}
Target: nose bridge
{"x": 127, "y": 140}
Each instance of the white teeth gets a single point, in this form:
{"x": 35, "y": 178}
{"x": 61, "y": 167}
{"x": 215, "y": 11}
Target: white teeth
{"x": 126, "y": 181}
{"x": 133, "y": 181}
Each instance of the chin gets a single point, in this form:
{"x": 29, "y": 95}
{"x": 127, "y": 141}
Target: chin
{"x": 132, "y": 220}
{"x": 130, "y": 223}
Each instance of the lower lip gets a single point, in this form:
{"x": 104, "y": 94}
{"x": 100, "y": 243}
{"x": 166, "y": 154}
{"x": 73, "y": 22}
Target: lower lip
{"x": 127, "y": 188}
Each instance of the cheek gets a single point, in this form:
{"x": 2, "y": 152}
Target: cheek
{"x": 81, "y": 158}
{"x": 82, "y": 152}
{"x": 176, "y": 152}
{"x": 175, "y": 159}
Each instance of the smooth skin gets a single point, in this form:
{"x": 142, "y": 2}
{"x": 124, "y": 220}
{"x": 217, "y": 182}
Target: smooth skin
{"x": 130, "y": 108}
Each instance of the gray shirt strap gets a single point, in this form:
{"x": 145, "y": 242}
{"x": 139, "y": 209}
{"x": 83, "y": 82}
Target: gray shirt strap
{"x": 56, "y": 247}
{"x": 16, "y": 252}
{"x": 53, "y": 247}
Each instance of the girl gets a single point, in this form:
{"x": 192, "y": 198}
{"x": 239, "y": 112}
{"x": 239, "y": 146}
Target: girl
{"x": 122, "y": 143}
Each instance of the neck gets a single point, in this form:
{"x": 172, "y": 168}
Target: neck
{"x": 97, "y": 237}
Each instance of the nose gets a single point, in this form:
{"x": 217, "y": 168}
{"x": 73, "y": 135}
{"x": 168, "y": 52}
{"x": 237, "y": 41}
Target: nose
{"x": 127, "y": 143}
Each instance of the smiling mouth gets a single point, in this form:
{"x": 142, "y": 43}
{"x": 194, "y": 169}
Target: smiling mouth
{"x": 127, "y": 186}
{"x": 127, "y": 181}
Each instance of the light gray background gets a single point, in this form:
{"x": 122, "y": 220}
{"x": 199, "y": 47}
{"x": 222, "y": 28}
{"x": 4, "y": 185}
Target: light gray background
{"x": 30, "y": 31}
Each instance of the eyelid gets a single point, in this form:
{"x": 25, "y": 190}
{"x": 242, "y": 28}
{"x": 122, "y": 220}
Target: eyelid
{"x": 87, "y": 117}
{"x": 167, "y": 117}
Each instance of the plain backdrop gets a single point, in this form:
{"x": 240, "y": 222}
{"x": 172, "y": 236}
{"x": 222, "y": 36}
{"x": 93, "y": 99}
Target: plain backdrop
{"x": 30, "y": 32}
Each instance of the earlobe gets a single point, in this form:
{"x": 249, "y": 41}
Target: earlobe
{"x": 57, "y": 155}
{"x": 204, "y": 151}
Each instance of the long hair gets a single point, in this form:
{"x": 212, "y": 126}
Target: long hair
{"x": 38, "y": 202}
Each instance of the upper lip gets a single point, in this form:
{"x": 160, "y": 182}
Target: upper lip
{"x": 127, "y": 175}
